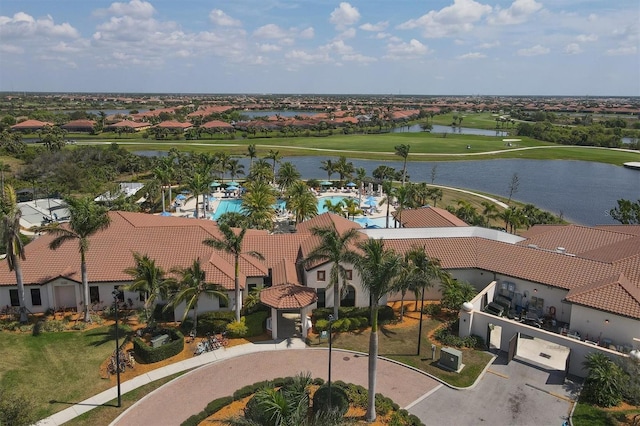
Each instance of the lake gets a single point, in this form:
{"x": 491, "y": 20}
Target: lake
{"x": 582, "y": 192}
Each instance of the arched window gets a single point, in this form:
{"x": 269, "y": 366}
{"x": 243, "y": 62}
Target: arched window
{"x": 349, "y": 297}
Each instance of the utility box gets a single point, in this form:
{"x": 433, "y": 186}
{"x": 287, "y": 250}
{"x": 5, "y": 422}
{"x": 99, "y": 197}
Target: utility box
{"x": 450, "y": 359}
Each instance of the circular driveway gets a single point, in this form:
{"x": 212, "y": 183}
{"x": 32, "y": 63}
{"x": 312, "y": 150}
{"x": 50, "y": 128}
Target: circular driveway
{"x": 189, "y": 394}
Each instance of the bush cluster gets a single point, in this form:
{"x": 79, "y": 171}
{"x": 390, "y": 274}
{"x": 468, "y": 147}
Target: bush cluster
{"x": 150, "y": 355}
{"x": 343, "y": 324}
{"x": 385, "y": 313}
{"x": 448, "y": 336}
{"x": 339, "y": 400}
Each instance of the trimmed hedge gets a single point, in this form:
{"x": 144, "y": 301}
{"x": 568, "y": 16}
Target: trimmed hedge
{"x": 150, "y": 355}
{"x": 339, "y": 400}
{"x": 349, "y": 393}
{"x": 255, "y": 323}
{"x": 385, "y": 313}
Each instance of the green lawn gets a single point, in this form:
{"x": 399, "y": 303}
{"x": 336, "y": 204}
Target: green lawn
{"x": 424, "y": 147}
{"x": 587, "y": 415}
{"x": 62, "y": 367}
{"x": 401, "y": 344}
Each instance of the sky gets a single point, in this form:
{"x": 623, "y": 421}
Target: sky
{"x": 422, "y": 47}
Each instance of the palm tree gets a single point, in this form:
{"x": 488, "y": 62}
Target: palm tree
{"x": 490, "y": 212}
{"x": 403, "y": 151}
{"x": 261, "y": 171}
{"x": 351, "y": 207}
{"x": 275, "y": 156}
{"x": 434, "y": 195}
{"x": 604, "y": 383}
{"x": 235, "y": 168}
{"x": 287, "y": 175}
{"x": 87, "y": 218}
{"x": 344, "y": 168}
{"x": 147, "y": 278}
{"x": 378, "y": 268}
{"x": 231, "y": 243}
{"x": 403, "y": 195}
{"x": 336, "y": 208}
{"x": 258, "y": 204}
{"x": 301, "y": 201}
{"x": 329, "y": 167}
{"x": 190, "y": 286}
{"x": 251, "y": 153}
{"x": 198, "y": 184}
{"x": 387, "y": 188}
{"x": 162, "y": 175}
{"x": 11, "y": 215}
{"x": 336, "y": 249}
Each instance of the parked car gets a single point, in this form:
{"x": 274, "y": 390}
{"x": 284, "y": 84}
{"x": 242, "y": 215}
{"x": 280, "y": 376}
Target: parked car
{"x": 494, "y": 309}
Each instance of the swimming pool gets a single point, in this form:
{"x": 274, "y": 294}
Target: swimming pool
{"x": 235, "y": 205}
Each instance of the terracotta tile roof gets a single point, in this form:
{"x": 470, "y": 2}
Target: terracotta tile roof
{"x": 216, "y": 124}
{"x": 574, "y": 238}
{"x": 625, "y": 229}
{"x": 79, "y": 123}
{"x": 128, "y": 123}
{"x": 453, "y": 253}
{"x": 615, "y": 251}
{"x": 326, "y": 220}
{"x": 172, "y": 124}
{"x": 284, "y": 273}
{"x": 428, "y": 217}
{"x": 31, "y": 124}
{"x": 615, "y": 294}
{"x": 288, "y": 296}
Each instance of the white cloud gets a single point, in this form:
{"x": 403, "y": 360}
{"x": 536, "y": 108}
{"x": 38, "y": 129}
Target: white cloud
{"x": 135, "y": 9}
{"x": 381, "y": 36}
{"x": 8, "y": 48}
{"x": 623, "y": 51}
{"x": 572, "y": 49}
{"x": 380, "y": 26}
{"x": 349, "y": 33}
{"x": 267, "y": 47}
{"x": 344, "y": 16}
{"x": 337, "y": 46}
{"x": 584, "y": 38}
{"x": 218, "y": 17}
{"x": 307, "y": 33}
{"x": 489, "y": 45}
{"x": 449, "y": 21}
{"x": 517, "y": 13}
{"x": 301, "y": 56}
{"x": 23, "y": 26}
{"x": 358, "y": 58}
{"x": 534, "y": 51}
{"x": 270, "y": 31}
{"x": 413, "y": 49}
{"x": 472, "y": 55}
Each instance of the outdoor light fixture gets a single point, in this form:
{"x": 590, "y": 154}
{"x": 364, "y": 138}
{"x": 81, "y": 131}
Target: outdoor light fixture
{"x": 606, "y": 321}
{"x": 116, "y": 295}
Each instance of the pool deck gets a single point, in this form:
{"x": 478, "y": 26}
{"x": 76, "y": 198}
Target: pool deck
{"x": 187, "y": 209}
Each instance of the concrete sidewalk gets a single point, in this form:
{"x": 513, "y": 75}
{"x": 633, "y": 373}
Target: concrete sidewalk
{"x": 188, "y": 364}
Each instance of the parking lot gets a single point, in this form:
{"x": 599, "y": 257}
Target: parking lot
{"x": 513, "y": 394}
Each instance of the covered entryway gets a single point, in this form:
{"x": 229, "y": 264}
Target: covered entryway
{"x": 65, "y": 297}
{"x": 289, "y": 305}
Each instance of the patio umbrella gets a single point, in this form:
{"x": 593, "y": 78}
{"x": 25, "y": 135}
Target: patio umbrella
{"x": 233, "y": 183}
{"x": 165, "y": 214}
{"x": 371, "y": 201}
{"x": 326, "y": 183}
{"x": 180, "y": 197}
{"x": 351, "y": 185}
{"x": 215, "y": 184}
{"x": 232, "y": 188}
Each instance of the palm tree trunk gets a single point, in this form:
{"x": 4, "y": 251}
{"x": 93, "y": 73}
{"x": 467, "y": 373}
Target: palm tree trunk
{"x": 336, "y": 300}
{"x": 85, "y": 287}
{"x": 19, "y": 281}
{"x": 237, "y": 287}
{"x": 373, "y": 365}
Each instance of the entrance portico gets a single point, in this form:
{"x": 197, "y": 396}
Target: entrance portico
{"x": 288, "y": 302}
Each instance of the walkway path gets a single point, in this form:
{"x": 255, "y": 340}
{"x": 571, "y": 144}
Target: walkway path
{"x": 222, "y": 372}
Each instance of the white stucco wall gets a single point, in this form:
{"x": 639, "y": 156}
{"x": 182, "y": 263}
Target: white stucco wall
{"x": 597, "y": 325}
{"x": 362, "y": 297}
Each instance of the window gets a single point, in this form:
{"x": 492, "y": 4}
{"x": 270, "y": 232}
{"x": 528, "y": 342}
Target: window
{"x": 223, "y": 303}
{"x": 349, "y": 298}
{"x": 94, "y": 294}
{"x": 321, "y": 275}
{"x": 35, "y": 297}
{"x": 120, "y": 293}
{"x": 13, "y": 295}
{"x": 321, "y": 297}
{"x": 349, "y": 274}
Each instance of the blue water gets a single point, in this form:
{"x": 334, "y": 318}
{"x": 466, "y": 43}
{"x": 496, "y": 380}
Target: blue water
{"x": 235, "y": 206}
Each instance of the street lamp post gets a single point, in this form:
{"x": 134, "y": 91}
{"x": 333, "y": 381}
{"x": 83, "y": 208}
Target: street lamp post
{"x": 116, "y": 294}
{"x": 420, "y": 325}
{"x": 329, "y": 379}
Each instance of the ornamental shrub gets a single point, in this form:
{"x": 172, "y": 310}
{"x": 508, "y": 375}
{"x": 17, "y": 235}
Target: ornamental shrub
{"x": 339, "y": 400}
{"x": 237, "y": 328}
{"x": 149, "y": 355}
